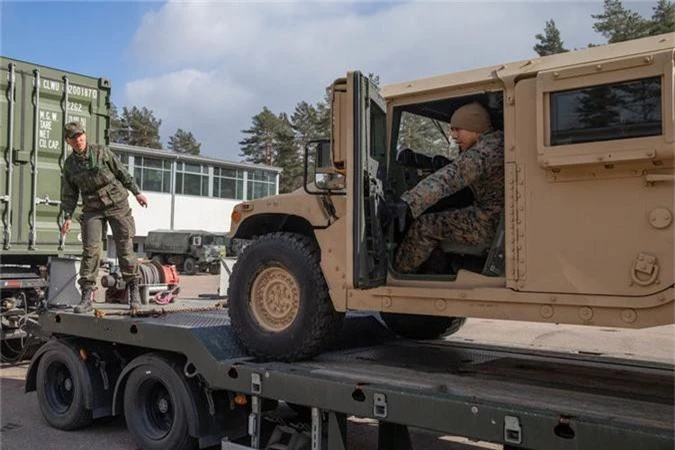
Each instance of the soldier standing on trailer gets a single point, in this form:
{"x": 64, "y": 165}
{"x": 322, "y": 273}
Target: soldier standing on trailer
{"x": 95, "y": 173}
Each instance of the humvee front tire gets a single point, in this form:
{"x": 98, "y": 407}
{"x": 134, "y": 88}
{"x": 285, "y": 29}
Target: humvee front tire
{"x": 422, "y": 327}
{"x": 278, "y": 299}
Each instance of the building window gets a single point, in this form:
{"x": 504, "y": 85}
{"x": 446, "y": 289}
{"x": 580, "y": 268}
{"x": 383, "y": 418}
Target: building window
{"x": 261, "y": 183}
{"x": 124, "y": 158}
{"x": 629, "y": 109}
{"x": 228, "y": 183}
{"x": 192, "y": 179}
{"x": 152, "y": 174}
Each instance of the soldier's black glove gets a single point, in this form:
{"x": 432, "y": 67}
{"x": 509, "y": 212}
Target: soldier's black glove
{"x": 397, "y": 212}
{"x": 439, "y": 161}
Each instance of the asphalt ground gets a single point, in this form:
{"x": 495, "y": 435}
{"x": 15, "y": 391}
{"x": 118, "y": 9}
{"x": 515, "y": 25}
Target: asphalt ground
{"x": 22, "y": 426}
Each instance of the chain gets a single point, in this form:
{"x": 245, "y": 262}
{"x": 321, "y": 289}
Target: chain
{"x": 100, "y": 313}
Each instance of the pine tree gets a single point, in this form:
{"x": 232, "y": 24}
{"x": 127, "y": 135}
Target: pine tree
{"x": 136, "y": 126}
{"x": 549, "y": 42}
{"x": 618, "y": 24}
{"x": 271, "y": 141}
{"x": 306, "y": 123}
{"x": 184, "y": 142}
{"x": 663, "y": 18}
{"x": 116, "y": 132}
{"x": 259, "y": 148}
{"x": 288, "y": 156}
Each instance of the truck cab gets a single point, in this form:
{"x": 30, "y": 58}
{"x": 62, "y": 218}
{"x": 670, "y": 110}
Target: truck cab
{"x": 585, "y": 235}
{"x": 190, "y": 250}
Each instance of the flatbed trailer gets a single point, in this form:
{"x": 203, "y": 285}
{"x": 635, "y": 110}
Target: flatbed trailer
{"x": 181, "y": 379}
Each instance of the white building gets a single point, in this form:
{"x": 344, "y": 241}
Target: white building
{"x": 188, "y": 192}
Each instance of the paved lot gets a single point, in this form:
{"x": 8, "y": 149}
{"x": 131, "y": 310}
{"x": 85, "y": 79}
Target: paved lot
{"x": 22, "y": 426}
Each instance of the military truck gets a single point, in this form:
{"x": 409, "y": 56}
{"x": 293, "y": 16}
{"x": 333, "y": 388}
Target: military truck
{"x": 35, "y": 104}
{"x": 586, "y": 235}
{"x": 189, "y": 250}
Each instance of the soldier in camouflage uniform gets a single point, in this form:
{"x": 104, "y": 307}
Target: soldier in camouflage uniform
{"x": 96, "y": 174}
{"x": 480, "y": 166}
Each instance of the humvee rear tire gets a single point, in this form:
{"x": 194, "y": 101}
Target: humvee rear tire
{"x": 190, "y": 266}
{"x": 422, "y": 327}
{"x": 278, "y": 299}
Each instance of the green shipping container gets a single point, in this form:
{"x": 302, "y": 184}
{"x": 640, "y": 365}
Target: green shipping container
{"x": 35, "y": 104}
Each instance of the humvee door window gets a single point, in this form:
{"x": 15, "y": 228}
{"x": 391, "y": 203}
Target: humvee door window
{"x": 629, "y": 109}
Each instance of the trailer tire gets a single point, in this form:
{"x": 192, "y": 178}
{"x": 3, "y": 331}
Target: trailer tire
{"x": 60, "y": 390}
{"x": 190, "y": 266}
{"x": 155, "y": 410}
{"x": 413, "y": 326}
{"x": 278, "y": 299}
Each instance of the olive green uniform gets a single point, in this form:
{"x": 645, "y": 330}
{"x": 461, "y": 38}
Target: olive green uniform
{"x": 102, "y": 181}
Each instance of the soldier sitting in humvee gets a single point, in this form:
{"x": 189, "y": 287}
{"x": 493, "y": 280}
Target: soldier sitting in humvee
{"x": 479, "y": 166}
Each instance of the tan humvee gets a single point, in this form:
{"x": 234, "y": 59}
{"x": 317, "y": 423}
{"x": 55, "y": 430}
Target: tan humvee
{"x": 587, "y": 232}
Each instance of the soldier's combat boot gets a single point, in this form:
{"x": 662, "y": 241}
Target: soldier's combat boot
{"x": 134, "y": 295}
{"x": 86, "y": 303}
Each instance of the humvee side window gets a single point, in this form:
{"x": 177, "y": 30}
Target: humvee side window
{"x": 624, "y": 110}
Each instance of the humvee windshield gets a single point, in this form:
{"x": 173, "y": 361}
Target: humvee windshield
{"x": 214, "y": 240}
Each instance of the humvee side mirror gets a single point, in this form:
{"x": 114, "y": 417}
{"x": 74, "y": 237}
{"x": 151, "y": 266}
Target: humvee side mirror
{"x": 197, "y": 240}
{"x": 319, "y": 166}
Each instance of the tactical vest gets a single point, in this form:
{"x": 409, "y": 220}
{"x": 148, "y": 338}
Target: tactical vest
{"x": 98, "y": 186}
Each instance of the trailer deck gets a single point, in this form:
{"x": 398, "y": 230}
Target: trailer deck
{"x": 518, "y": 397}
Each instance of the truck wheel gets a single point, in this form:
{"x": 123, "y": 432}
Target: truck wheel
{"x": 154, "y": 408}
{"x": 422, "y": 327}
{"x": 60, "y": 390}
{"x": 214, "y": 269}
{"x": 278, "y": 299}
{"x": 190, "y": 266}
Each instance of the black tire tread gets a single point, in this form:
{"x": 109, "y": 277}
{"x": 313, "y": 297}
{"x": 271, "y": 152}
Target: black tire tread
{"x": 422, "y": 327}
{"x": 80, "y": 419}
{"x": 171, "y": 374}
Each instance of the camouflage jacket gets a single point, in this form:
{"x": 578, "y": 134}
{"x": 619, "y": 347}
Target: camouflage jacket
{"x": 99, "y": 176}
{"x": 480, "y": 167}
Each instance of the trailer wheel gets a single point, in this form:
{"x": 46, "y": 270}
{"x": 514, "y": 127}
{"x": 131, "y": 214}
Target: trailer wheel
{"x": 154, "y": 408}
{"x": 190, "y": 266}
{"x": 60, "y": 390}
{"x": 422, "y": 327}
{"x": 278, "y": 299}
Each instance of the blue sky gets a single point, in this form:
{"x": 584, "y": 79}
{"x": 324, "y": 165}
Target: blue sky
{"x": 209, "y": 66}
{"x": 91, "y": 38}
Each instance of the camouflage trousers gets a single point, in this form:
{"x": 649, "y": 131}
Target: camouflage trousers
{"x": 123, "y": 230}
{"x": 469, "y": 226}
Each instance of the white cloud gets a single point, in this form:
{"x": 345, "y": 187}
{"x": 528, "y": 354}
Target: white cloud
{"x": 212, "y": 66}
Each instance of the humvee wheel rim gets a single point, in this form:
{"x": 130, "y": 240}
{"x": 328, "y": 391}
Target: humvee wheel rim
{"x": 275, "y": 299}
